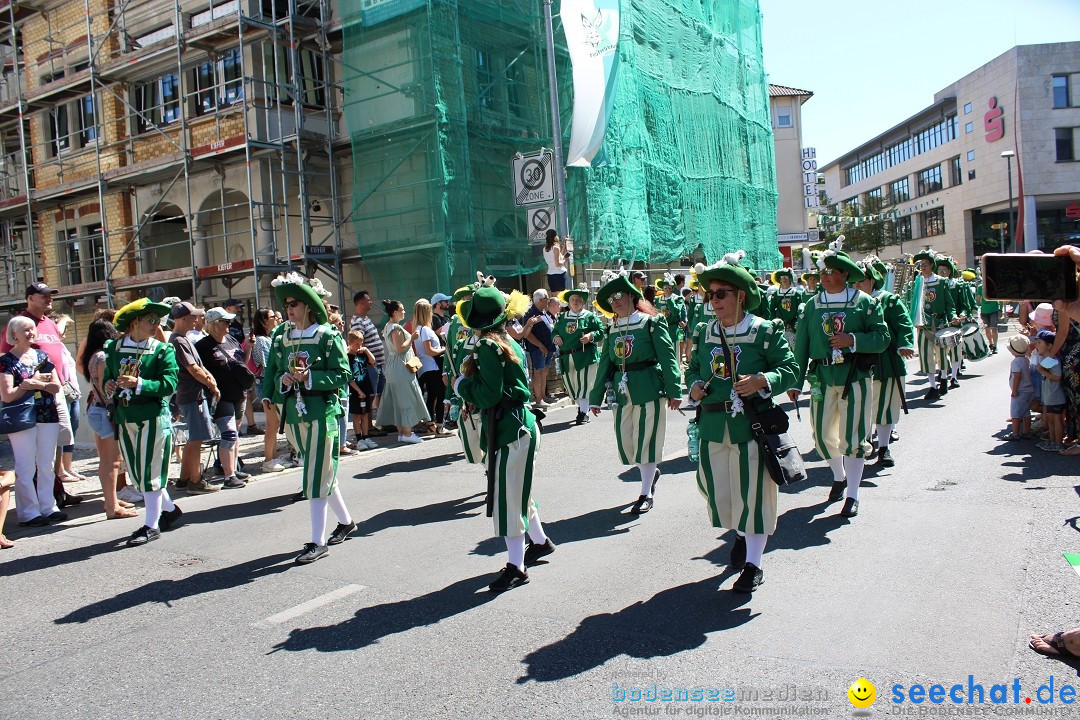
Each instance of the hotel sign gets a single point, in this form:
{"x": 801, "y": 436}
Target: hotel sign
{"x": 809, "y": 178}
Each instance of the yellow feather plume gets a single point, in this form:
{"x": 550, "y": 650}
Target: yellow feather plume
{"x": 602, "y": 311}
{"x": 517, "y": 305}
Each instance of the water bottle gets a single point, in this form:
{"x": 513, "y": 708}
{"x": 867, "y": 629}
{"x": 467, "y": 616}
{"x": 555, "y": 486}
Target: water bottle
{"x": 455, "y": 409}
{"x": 609, "y": 396}
{"x": 692, "y": 441}
{"x": 558, "y": 367}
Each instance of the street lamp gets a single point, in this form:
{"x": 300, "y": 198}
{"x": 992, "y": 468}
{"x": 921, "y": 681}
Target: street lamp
{"x": 1009, "y": 155}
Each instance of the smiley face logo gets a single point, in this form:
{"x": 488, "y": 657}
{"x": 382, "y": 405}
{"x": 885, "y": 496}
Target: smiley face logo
{"x": 862, "y": 693}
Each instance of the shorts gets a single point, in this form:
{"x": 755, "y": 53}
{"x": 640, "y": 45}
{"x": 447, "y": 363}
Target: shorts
{"x": 98, "y": 417}
{"x": 538, "y": 359}
{"x": 196, "y": 415}
{"x": 1054, "y": 409}
{"x": 991, "y": 320}
{"x": 359, "y": 405}
{"x": 1020, "y": 406}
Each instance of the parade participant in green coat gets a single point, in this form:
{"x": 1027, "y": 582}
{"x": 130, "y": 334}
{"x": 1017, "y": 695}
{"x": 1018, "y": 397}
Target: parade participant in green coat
{"x": 671, "y": 307}
{"x": 990, "y": 311}
{"x": 811, "y": 278}
{"x": 495, "y": 381}
{"x": 696, "y": 308}
{"x": 784, "y": 303}
{"x": 947, "y": 269}
{"x": 639, "y": 359}
{"x": 838, "y": 328}
{"x": 737, "y": 358}
{"x": 310, "y": 367}
{"x": 140, "y": 376}
{"x": 934, "y": 310}
{"x": 891, "y": 368}
{"x": 579, "y": 335}
{"x": 460, "y": 343}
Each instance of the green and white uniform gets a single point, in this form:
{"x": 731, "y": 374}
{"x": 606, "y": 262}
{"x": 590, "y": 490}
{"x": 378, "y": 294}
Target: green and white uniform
{"x": 673, "y": 310}
{"x": 460, "y": 343}
{"x": 963, "y": 308}
{"x": 143, "y": 419}
{"x": 891, "y": 369}
{"x": 731, "y": 475}
{"x": 579, "y": 362}
{"x": 639, "y": 359}
{"x": 784, "y": 305}
{"x": 839, "y": 424}
{"x": 501, "y": 383}
{"x": 938, "y": 311}
{"x": 312, "y": 410}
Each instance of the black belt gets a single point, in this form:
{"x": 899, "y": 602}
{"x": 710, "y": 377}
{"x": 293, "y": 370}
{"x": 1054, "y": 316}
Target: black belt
{"x": 721, "y": 407}
{"x": 644, "y": 365}
{"x": 313, "y": 393}
{"x": 815, "y": 363}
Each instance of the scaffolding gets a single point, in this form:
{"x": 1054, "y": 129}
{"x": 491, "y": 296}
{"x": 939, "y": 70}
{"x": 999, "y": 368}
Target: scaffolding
{"x": 164, "y": 147}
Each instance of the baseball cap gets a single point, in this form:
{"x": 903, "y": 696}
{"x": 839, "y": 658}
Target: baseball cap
{"x": 232, "y": 302}
{"x": 218, "y": 313}
{"x": 183, "y": 309}
{"x": 439, "y": 297}
{"x": 638, "y": 274}
{"x": 1046, "y": 336}
{"x": 39, "y": 288}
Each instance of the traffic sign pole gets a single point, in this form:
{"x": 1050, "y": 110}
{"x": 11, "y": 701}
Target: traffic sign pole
{"x": 556, "y": 124}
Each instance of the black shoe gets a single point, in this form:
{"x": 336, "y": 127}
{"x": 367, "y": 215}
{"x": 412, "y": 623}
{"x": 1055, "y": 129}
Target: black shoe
{"x": 750, "y": 580}
{"x": 642, "y": 506}
{"x": 240, "y": 474}
{"x": 884, "y": 458}
{"x": 312, "y": 552}
{"x": 233, "y": 483}
{"x": 655, "y": 479}
{"x": 581, "y": 418}
{"x": 510, "y": 577}
{"x": 58, "y": 516}
{"x": 738, "y": 553}
{"x": 299, "y": 497}
{"x": 182, "y": 484}
{"x": 39, "y": 521}
{"x": 953, "y": 384}
{"x": 943, "y": 386}
{"x": 535, "y": 551}
{"x": 142, "y": 536}
{"x": 64, "y": 500}
{"x": 340, "y": 533}
{"x": 837, "y": 490}
{"x": 932, "y": 395}
{"x": 851, "y": 508}
{"x": 254, "y": 431}
{"x": 894, "y": 436}
{"x": 169, "y": 517}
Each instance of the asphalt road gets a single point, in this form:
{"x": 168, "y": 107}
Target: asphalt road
{"x": 954, "y": 559}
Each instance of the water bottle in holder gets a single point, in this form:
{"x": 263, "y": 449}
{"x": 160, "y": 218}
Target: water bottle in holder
{"x": 692, "y": 441}
{"x": 455, "y": 409}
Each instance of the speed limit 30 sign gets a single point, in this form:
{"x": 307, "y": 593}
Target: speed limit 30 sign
{"x": 534, "y": 180}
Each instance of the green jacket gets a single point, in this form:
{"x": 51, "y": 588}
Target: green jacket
{"x": 757, "y": 346}
{"x": 499, "y": 379}
{"x": 673, "y": 310}
{"x": 784, "y": 305}
{"x": 570, "y": 327}
{"x": 939, "y": 307}
{"x": 155, "y": 366}
{"x": 460, "y": 341}
{"x": 859, "y": 314}
{"x": 322, "y": 350}
{"x": 272, "y": 390}
{"x": 901, "y": 334}
{"x": 640, "y": 338}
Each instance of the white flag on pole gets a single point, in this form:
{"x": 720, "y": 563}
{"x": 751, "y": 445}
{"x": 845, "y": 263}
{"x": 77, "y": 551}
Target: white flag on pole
{"x": 592, "y": 36}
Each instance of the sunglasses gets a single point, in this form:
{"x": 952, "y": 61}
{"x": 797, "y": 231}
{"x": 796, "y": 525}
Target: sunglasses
{"x": 828, "y": 271}
{"x": 720, "y": 294}
{"x": 617, "y": 296}
{"x": 290, "y": 304}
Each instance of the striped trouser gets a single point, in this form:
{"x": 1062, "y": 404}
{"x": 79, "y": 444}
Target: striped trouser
{"x": 290, "y": 431}
{"x": 955, "y": 355}
{"x": 640, "y": 431}
{"x": 932, "y": 359}
{"x": 841, "y": 425}
{"x": 469, "y": 432}
{"x": 146, "y": 447}
{"x": 736, "y": 486}
{"x": 318, "y": 443}
{"x": 578, "y": 380}
{"x": 513, "y": 484}
{"x": 887, "y": 401}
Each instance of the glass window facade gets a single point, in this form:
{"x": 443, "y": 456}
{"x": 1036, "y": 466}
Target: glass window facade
{"x": 1066, "y": 151}
{"x": 900, "y": 190}
{"x": 929, "y": 180}
{"x": 933, "y": 222}
{"x": 1061, "y": 91}
{"x": 917, "y": 144}
{"x": 956, "y": 176}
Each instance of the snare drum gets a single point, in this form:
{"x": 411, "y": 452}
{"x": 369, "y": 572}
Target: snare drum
{"x": 948, "y": 338}
{"x": 975, "y": 345}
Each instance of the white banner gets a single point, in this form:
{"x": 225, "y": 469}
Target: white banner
{"x": 592, "y": 36}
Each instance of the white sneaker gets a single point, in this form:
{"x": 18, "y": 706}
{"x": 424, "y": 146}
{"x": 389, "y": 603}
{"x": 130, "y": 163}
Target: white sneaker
{"x": 272, "y": 466}
{"x": 129, "y": 494}
{"x": 414, "y": 438}
{"x": 369, "y": 444}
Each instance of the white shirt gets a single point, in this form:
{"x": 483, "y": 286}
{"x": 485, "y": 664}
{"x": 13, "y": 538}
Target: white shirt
{"x": 427, "y": 361}
{"x": 553, "y": 268}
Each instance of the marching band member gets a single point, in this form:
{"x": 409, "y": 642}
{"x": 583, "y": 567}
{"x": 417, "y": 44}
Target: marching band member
{"x": 460, "y": 343}
{"x": 579, "y": 335}
{"x": 784, "y": 303}
{"x": 947, "y": 269}
{"x": 934, "y": 310}
{"x": 671, "y": 307}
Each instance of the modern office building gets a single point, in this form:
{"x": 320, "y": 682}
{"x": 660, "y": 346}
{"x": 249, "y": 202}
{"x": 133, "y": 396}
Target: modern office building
{"x": 945, "y": 171}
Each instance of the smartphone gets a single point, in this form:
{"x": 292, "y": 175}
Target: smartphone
{"x": 1039, "y": 278}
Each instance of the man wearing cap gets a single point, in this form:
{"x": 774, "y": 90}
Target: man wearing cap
{"x": 236, "y": 326}
{"x": 219, "y": 354}
{"x": 195, "y": 385}
{"x": 937, "y": 312}
{"x": 840, "y": 328}
{"x": 639, "y": 279}
{"x": 440, "y": 311}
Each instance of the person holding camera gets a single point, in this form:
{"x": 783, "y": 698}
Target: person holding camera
{"x": 735, "y": 359}
{"x": 557, "y": 262}
{"x": 839, "y": 333}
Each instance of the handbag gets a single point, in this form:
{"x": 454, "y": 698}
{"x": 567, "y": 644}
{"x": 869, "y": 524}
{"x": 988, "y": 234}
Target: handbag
{"x": 414, "y": 364}
{"x": 19, "y": 415}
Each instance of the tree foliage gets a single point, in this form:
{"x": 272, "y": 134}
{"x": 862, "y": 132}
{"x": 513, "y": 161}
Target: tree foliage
{"x": 863, "y": 226}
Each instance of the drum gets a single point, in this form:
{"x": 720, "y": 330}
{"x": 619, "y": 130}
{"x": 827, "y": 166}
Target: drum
{"x": 948, "y": 338}
{"x": 975, "y": 345}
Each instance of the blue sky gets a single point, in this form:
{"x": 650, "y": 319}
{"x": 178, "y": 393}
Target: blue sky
{"x": 872, "y": 64}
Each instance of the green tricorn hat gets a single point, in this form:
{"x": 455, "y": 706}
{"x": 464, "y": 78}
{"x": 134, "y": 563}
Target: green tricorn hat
{"x": 729, "y": 271}
{"x": 136, "y": 309}
{"x": 836, "y": 259}
{"x": 614, "y": 284}
{"x": 581, "y": 292}
{"x": 869, "y": 272}
{"x": 777, "y": 274}
{"x": 924, "y": 255}
{"x": 947, "y": 262}
{"x": 489, "y": 308}
{"x": 883, "y": 272}
{"x": 293, "y": 285}
{"x": 462, "y": 292}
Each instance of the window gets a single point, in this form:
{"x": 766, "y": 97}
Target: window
{"x": 900, "y": 191}
{"x": 1061, "y": 91}
{"x": 933, "y": 222}
{"x": 902, "y": 229}
{"x": 930, "y": 180}
{"x": 219, "y": 84}
{"x": 94, "y": 242}
{"x": 967, "y": 108}
{"x": 971, "y": 174}
{"x": 67, "y": 246}
{"x": 312, "y": 78}
{"x": 874, "y": 194}
{"x": 971, "y": 156}
{"x": 956, "y": 176}
{"x": 484, "y": 79}
{"x": 158, "y": 102}
{"x": 783, "y": 118}
{"x": 59, "y": 136}
{"x": 851, "y": 203}
{"x": 933, "y": 136}
{"x": 71, "y": 125}
{"x": 1066, "y": 152}
{"x": 215, "y": 12}
{"x": 969, "y": 128}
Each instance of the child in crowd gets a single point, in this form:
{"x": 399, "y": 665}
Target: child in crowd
{"x": 1022, "y": 391}
{"x": 360, "y": 389}
{"x": 1053, "y": 396}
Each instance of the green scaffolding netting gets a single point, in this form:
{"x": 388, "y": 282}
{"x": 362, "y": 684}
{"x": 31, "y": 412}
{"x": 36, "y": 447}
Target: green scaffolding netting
{"x": 440, "y": 94}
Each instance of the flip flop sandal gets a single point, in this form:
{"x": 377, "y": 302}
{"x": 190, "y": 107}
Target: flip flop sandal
{"x": 1058, "y": 643}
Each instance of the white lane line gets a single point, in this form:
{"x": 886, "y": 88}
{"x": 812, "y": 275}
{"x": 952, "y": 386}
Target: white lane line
{"x": 306, "y": 607}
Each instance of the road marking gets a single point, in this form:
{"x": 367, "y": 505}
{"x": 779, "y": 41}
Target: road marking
{"x": 313, "y": 604}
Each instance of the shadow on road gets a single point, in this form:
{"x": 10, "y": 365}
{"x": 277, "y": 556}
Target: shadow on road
{"x": 371, "y": 624}
{"x": 674, "y": 466}
{"x": 596, "y": 524}
{"x": 670, "y": 622}
{"x": 63, "y": 557}
{"x": 428, "y": 462}
{"x": 457, "y": 509}
{"x": 167, "y": 591}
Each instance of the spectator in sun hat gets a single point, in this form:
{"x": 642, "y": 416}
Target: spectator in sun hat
{"x": 1022, "y": 391}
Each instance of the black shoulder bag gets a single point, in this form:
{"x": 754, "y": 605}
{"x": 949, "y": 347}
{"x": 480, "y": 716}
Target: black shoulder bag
{"x": 778, "y": 451}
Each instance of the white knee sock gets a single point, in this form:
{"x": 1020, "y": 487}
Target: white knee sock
{"x": 152, "y": 500}
{"x": 836, "y": 464}
{"x": 648, "y": 471}
{"x": 515, "y": 551}
{"x": 317, "y": 506}
{"x": 884, "y": 432}
{"x": 955, "y": 371}
{"x": 536, "y": 529}
{"x": 755, "y": 547}
{"x": 854, "y": 468}
{"x": 583, "y": 405}
{"x": 166, "y": 502}
{"x": 337, "y": 504}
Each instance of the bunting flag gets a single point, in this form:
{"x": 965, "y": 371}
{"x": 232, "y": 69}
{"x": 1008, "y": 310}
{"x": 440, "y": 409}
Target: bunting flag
{"x": 1074, "y": 561}
{"x": 592, "y": 37}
